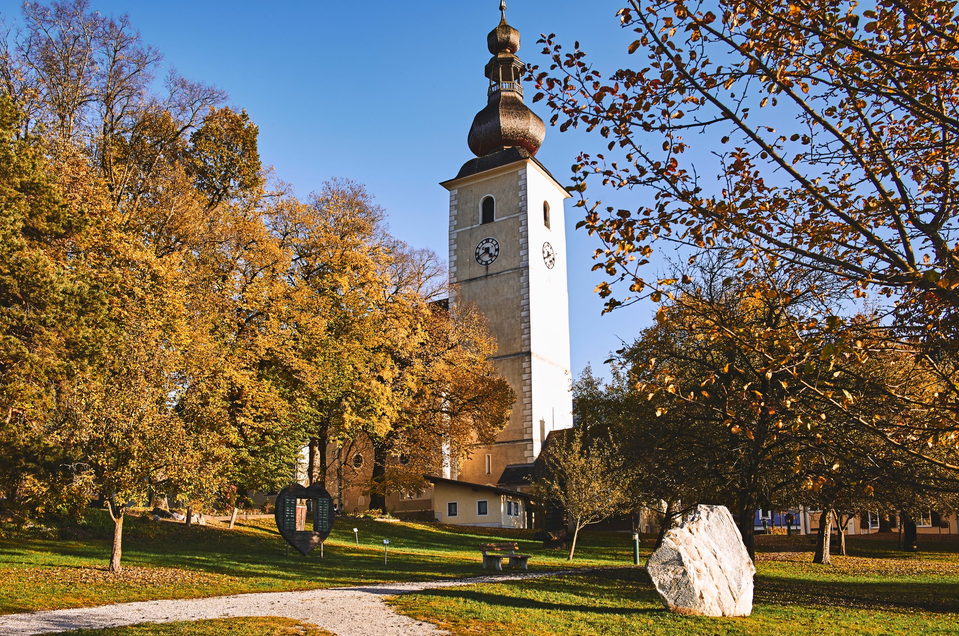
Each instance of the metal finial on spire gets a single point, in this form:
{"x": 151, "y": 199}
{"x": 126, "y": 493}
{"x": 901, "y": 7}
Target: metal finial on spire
{"x": 502, "y": 9}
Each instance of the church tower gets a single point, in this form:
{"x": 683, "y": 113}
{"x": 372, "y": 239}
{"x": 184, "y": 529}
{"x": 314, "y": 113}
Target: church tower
{"x": 508, "y": 258}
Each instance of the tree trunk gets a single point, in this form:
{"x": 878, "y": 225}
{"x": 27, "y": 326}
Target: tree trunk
{"x": 316, "y": 472}
{"x": 823, "y": 538}
{"x": 339, "y": 478}
{"x": 117, "y": 516}
{"x": 884, "y": 524}
{"x": 377, "y": 492}
{"x": 189, "y": 515}
{"x": 747, "y": 516}
{"x": 665, "y": 525}
{"x": 572, "y": 546}
{"x": 841, "y": 533}
{"x": 909, "y": 534}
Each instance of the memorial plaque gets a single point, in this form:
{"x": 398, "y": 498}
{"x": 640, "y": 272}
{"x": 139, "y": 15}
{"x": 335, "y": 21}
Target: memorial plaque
{"x": 297, "y": 529}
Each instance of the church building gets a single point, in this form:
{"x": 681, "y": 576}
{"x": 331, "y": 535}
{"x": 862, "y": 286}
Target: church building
{"x": 508, "y": 258}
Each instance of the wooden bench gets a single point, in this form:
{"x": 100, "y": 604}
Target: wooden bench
{"x": 494, "y": 553}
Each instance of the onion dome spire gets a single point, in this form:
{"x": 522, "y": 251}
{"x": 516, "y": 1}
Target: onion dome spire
{"x": 506, "y": 121}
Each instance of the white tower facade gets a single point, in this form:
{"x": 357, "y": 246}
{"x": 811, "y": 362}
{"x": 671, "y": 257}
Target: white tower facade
{"x": 508, "y": 258}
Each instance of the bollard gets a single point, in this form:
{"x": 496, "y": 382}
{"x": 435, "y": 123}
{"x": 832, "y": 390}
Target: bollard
{"x": 635, "y": 548}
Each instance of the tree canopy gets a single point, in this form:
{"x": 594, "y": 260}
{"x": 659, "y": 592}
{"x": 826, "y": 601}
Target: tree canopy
{"x": 813, "y": 145}
{"x": 818, "y": 133}
{"x": 173, "y": 319}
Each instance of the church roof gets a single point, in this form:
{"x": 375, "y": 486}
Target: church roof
{"x": 506, "y": 121}
{"x": 516, "y": 475}
{"x": 497, "y": 159}
{"x": 466, "y": 484}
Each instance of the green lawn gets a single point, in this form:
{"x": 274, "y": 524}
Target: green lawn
{"x": 167, "y": 560}
{"x": 873, "y": 591}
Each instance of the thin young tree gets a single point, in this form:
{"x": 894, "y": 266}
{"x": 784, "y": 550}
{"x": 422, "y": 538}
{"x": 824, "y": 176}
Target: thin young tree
{"x": 585, "y": 477}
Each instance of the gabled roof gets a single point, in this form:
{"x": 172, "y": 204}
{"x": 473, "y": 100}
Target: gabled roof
{"x": 466, "y": 484}
{"x": 519, "y": 474}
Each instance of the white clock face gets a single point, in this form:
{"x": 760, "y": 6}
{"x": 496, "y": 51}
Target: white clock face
{"x": 486, "y": 251}
{"x": 549, "y": 255}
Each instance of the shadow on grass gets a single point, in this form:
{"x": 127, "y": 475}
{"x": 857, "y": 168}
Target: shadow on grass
{"x": 253, "y": 555}
{"x": 939, "y": 597}
{"x": 490, "y": 599}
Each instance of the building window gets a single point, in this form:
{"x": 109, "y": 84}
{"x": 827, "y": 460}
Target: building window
{"x": 488, "y": 208}
{"x": 546, "y": 214}
{"x": 482, "y": 508}
{"x": 924, "y": 519}
{"x": 357, "y": 460}
{"x": 451, "y": 510}
{"x": 509, "y": 508}
{"x": 489, "y": 464}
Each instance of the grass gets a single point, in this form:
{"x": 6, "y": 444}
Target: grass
{"x": 270, "y": 626}
{"x": 874, "y": 591}
{"x": 165, "y": 560}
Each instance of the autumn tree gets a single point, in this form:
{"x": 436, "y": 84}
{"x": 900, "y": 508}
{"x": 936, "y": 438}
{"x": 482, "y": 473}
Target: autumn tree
{"x": 841, "y": 126}
{"x": 813, "y": 136}
{"x": 722, "y": 372}
{"x": 447, "y": 393}
{"x": 586, "y": 478}
{"x": 332, "y": 322}
{"x": 872, "y": 444}
{"x": 42, "y": 331}
{"x": 88, "y": 80}
{"x": 170, "y": 194}
{"x": 734, "y": 397}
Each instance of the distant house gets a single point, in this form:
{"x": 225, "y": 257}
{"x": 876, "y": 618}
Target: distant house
{"x": 462, "y": 503}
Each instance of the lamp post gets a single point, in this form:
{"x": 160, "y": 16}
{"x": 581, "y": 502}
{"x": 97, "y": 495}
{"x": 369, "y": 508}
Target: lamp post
{"x": 356, "y": 535}
{"x": 636, "y": 548}
{"x": 386, "y": 549}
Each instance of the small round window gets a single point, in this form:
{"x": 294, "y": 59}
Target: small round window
{"x": 357, "y": 460}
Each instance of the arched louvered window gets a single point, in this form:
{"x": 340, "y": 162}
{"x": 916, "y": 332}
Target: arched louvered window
{"x": 546, "y": 214}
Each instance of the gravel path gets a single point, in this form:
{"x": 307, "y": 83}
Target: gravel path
{"x": 345, "y": 611}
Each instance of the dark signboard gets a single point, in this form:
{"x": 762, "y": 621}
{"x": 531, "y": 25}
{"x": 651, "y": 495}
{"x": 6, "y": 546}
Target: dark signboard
{"x": 304, "y": 516}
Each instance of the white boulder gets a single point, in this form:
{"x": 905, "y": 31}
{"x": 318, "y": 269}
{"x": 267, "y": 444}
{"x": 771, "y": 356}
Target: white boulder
{"x": 703, "y": 568}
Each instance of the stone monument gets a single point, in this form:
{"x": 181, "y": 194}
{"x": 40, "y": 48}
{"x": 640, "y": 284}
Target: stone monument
{"x": 304, "y": 516}
{"x": 702, "y": 567}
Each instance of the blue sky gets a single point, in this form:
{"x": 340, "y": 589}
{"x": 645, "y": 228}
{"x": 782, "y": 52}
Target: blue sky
{"x": 383, "y": 93}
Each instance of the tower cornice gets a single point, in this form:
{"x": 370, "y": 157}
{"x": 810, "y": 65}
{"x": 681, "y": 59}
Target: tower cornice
{"x": 501, "y": 169}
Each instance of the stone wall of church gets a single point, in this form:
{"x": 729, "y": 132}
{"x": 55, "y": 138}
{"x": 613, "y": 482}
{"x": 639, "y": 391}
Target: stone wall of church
{"x": 525, "y": 302}
{"x": 551, "y": 380}
{"x": 501, "y": 293}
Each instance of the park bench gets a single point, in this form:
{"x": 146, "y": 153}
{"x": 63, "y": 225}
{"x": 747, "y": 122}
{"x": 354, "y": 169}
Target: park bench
{"x": 494, "y": 553}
